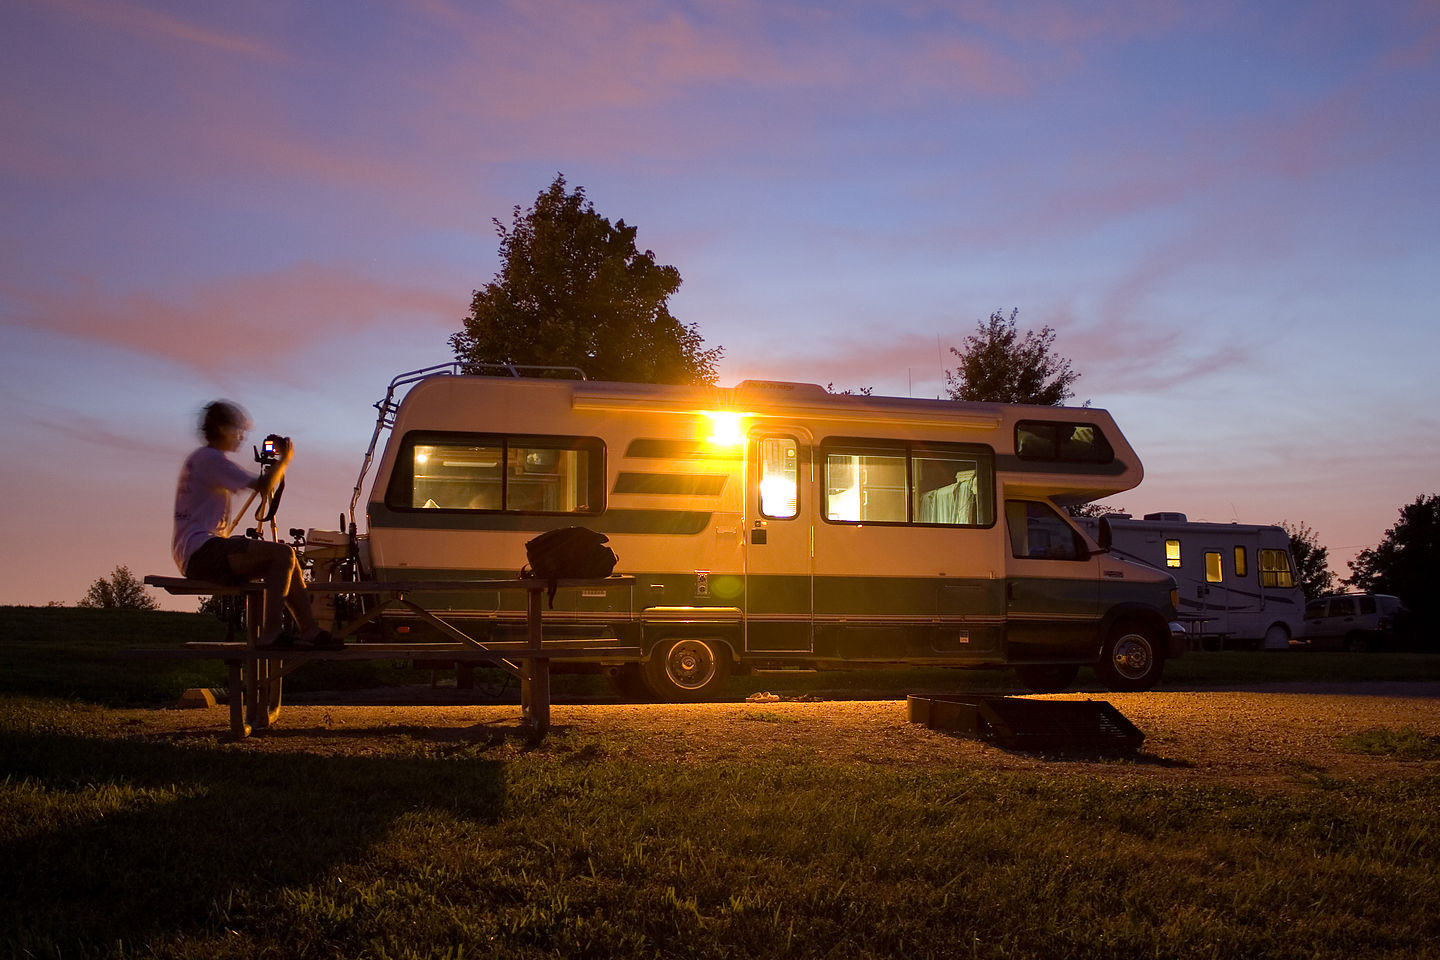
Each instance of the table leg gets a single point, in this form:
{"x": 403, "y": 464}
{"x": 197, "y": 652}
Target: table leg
{"x": 239, "y": 729}
{"x": 535, "y": 677}
{"x": 535, "y": 707}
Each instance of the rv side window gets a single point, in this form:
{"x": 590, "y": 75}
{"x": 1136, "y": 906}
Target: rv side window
{"x": 522, "y": 474}
{"x": 942, "y": 484}
{"x": 1172, "y": 553}
{"x": 779, "y": 477}
{"x": 1241, "y": 566}
{"x": 1275, "y": 569}
{"x": 951, "y": 487}
{"x": 1214, "y": 573}
{"x": 865, "y": 487}
{"x": 1061, "y": 442}
{"x": 1038, "y": 533}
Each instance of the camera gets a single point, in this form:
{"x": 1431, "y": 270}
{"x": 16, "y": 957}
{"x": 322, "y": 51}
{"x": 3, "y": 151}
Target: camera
{"x": 272, "y": 448}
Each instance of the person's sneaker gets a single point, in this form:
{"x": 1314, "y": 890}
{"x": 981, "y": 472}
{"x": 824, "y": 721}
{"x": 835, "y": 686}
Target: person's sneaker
{"x": 325, "y": 641}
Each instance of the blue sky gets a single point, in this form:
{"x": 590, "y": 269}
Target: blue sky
{"x": 1228, "y": 211}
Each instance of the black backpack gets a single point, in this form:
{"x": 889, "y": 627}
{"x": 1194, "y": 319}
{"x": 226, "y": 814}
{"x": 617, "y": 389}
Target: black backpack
{"x": 570, "y": 553}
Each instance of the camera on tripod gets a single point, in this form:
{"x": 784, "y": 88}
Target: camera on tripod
{"x": 271, "y": 449}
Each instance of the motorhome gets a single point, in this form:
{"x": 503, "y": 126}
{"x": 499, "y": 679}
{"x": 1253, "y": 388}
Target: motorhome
{"x": 1236, "y": 580}
{"x": 772, "y": 525}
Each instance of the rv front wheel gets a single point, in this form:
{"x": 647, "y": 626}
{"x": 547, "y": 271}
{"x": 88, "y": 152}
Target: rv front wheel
{"x": 1131, "y": 659}
{"x": 687, "y": 669}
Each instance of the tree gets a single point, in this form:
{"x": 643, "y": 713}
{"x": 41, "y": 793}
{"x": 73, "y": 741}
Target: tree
{"x": 1407, "y": 561}
{"x": 573, "y": 290}
{"x": 121, "y": 591}
{"x": 1312, "y": 561}
{"x": 997, "y": 364}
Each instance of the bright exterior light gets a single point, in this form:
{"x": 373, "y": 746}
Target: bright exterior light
{"x": 726, "y": 429}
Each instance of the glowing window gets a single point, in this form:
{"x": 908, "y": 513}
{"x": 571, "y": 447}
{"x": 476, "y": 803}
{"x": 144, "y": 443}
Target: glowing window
{"x": 500, "y": 474}
{"x": 865, "y": 487}
{"x": 779, "y": 477}
{"x": 1172, "y": 553}
{"x": 1275, "y": 569}
{"x": 1214, "y": 573}
{"x": 876, "y": 481}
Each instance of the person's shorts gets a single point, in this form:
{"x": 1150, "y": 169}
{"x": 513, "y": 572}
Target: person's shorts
{"x": 212, "y": 561}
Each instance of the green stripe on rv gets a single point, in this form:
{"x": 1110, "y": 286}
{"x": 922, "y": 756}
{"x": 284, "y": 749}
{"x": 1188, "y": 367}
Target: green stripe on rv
{"x": 660, "y": 522}
{"x": 894, "y": 598}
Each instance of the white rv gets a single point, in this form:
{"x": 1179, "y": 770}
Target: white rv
{"x": 1236, "y": 580}
{"x": 773, "y": 525}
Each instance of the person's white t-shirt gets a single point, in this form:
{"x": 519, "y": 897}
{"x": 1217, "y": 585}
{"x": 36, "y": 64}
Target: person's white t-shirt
{"x": 202, "y": 500}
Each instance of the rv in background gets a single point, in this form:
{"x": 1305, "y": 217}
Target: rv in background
{"x": 1237, "y": 580}
{"x": 774, "y": 525}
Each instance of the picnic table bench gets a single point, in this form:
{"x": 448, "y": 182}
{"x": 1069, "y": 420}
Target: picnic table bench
{"x": 256, "y": 674}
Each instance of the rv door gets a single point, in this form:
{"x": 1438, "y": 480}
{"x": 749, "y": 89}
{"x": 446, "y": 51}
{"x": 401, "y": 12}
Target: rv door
{"x": 779, "y": 511}
{"x": 1052, "y": 589}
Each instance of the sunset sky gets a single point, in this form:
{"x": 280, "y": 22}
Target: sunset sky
{"x": 1228, "y": 211}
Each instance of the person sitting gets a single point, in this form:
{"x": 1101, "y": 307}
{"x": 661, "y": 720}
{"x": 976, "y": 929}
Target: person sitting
{"x": 203, "y": 548}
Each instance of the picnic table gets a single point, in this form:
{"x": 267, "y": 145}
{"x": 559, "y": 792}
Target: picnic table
{"x": 256, "y": 674}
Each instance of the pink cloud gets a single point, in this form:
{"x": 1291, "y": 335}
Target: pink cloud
{"x": 148, "y": 24}
{"x": 235, "y": 320}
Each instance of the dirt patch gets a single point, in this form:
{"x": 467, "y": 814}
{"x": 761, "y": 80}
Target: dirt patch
{"x": 1274, "y": 738}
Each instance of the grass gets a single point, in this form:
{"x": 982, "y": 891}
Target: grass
{"x": 1405, "y": 744}
{"x": 501, "y": 848}
{"x": 117, "y": 845}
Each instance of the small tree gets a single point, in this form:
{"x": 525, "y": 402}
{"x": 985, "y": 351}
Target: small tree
{"x": 1312, "y": 561}
{"x": 121, "y": 591}
{"x": 1407, "y": 561}
{"x": 997, "y": 364}
{"x": 573, "y": 290}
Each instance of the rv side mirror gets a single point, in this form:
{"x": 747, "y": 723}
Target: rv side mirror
{"x": 1104, "y": 537}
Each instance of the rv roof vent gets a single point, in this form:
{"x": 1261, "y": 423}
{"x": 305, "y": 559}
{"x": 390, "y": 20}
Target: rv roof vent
{"x": 1166, "y": 517}
{"x": 778, "y": 387}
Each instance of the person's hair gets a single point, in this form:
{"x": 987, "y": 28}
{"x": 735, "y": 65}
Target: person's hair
{"x": 220, "y": 414}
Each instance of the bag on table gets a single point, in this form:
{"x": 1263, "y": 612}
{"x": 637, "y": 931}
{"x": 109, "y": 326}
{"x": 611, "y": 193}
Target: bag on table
{"x": 570, "y": 553}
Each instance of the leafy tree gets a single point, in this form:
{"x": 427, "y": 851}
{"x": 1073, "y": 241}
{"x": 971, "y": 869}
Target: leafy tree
{"x": 573, "y": 290}
{"x": 1312, "y": 561}
{"x": 997, "y": 364}
{"x": 1407, "y": 561}
{"x": 121, "y": 591}
{"x": 1092, "y": 509}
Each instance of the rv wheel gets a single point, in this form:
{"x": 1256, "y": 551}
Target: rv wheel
{"x": 1051, "y": 678}
{"x": 687, "y": 669}
{"x": 1131, "y": 659}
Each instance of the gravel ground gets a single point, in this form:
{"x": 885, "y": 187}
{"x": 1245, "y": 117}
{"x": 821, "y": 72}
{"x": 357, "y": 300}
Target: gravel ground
{"x": 1272, "y": 737}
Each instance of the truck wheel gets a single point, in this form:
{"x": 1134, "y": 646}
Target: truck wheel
{"x": 1355, "y": 642}
{"x": 687, "y": 669}
{"x": 1051, "y": 678}
{"x": 1131, "y": 659}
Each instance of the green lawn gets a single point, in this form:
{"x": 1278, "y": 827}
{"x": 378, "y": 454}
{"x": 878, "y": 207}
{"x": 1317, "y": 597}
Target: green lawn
{"x": 501, "y": 847}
